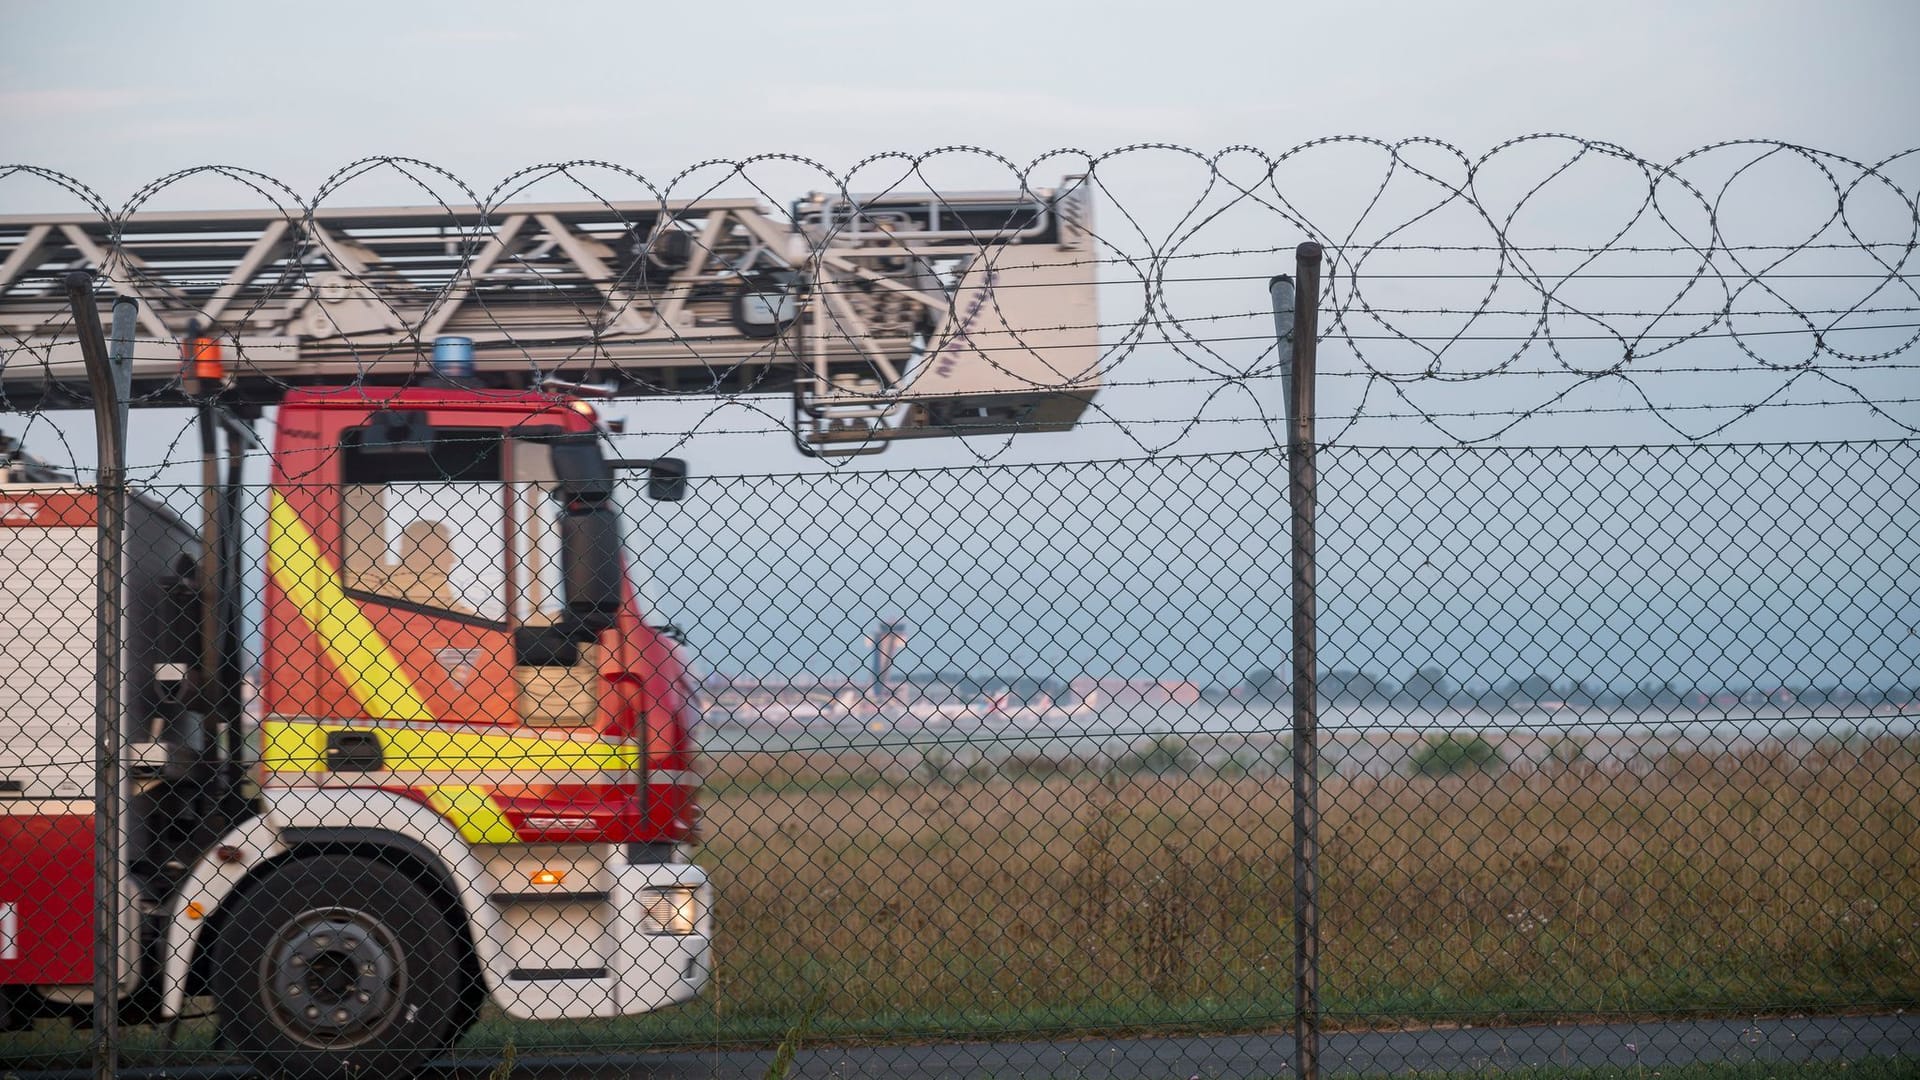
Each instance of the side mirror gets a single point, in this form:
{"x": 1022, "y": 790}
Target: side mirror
{"x": 590, "y": 567}
{"x": 667, "y": 479}
{"x": 666, "y": 476}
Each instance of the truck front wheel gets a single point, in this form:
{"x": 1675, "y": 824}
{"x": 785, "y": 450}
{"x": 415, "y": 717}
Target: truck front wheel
{"x": 336, "y": 966}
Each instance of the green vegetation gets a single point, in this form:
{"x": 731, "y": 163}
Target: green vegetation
{"x": 1163, "y": 754}
{"x": 1454, "y": 755}
{"x": 503, "y": 1070}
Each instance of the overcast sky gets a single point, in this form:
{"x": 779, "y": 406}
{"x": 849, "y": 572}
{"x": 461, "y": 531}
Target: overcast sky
{"x": 119, "y": 93}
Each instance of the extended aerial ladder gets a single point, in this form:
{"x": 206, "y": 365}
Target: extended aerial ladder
{"x": 888, "y": 316}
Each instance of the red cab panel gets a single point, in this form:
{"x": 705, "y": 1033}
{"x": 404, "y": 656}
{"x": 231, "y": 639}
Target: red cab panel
{"x": 46, "y": 899}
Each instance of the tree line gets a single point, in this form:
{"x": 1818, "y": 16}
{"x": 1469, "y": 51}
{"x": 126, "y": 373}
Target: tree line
{"x": 1434, "y": 686}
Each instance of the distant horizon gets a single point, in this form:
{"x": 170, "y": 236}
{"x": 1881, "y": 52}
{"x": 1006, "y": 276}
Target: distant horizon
{"x": 1388, "y": 691}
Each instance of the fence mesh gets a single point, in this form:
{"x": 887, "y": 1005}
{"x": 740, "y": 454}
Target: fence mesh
{"x": 454, "y": 733}
{"x": 998, "y": 753}
{"x": 1597, "y": 735}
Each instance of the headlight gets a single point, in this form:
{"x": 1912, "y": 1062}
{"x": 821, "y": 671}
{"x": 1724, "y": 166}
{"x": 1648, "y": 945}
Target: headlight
{"x": 672, "y": 909}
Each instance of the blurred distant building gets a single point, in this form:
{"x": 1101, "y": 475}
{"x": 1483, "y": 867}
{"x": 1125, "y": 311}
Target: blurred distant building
{"x": 885, "y": 643}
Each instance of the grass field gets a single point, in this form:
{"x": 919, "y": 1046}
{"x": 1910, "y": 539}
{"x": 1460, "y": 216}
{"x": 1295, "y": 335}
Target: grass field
{"x": 1724, "y": 881}
{"x": 1727, "y": 883}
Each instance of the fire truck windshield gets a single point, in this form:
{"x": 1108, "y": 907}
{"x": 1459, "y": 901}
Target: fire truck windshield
{"x": 469, "y": 528}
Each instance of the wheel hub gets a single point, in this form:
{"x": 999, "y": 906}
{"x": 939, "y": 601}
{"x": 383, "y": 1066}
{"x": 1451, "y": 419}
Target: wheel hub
{"x": 334, "y": 977}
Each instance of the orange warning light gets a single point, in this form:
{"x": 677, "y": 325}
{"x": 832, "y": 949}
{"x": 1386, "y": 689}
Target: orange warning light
{"x": 202, "y": 358}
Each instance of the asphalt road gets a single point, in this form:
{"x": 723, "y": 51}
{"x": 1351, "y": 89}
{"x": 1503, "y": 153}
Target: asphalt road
{"x": 1651, "y": 1045}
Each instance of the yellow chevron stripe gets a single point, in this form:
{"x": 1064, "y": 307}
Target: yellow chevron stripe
{"x": 353, "y": 646}
{"x": 301, "y": 746}
{"x": 474, "y": 813}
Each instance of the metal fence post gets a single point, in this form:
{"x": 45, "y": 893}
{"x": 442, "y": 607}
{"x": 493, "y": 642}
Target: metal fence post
{"x": 1296, "y": 326}
{"x": 107, "y": 377}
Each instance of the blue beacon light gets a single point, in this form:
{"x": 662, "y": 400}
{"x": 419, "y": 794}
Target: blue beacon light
{"x": 453, "y": 356}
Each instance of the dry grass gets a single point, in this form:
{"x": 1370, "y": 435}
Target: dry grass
{"x": 1737, "y": 880}
{"x": 879, "y": 904}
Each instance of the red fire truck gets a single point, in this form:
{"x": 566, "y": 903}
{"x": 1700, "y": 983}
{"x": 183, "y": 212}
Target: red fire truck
{"x": 463, "y": 770}
{"x": 470, "y": 773}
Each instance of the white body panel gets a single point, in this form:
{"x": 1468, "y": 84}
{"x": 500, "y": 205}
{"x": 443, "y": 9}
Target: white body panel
{"x": 46, "y": 728}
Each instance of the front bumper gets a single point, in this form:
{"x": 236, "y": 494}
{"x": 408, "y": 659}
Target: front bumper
{"x": 611, "y": 954}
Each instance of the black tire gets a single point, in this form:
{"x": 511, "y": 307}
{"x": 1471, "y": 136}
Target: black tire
{"x": 334, "y": 967}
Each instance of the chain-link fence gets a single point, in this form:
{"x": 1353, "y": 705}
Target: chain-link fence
{"x": 1597, "y": 739}
{"x": 999, "y": 753}
{"x": 455, "y": 730}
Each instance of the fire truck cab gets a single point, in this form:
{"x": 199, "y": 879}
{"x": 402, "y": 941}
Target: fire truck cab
{"x": 466, "y": 774}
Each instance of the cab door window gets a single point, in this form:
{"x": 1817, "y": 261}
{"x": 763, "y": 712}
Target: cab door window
{"x": 426, "y": 529}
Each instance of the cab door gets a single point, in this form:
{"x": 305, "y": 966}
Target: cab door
{"x": 424, "y": 551}
{"x": 389, "y": 598}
